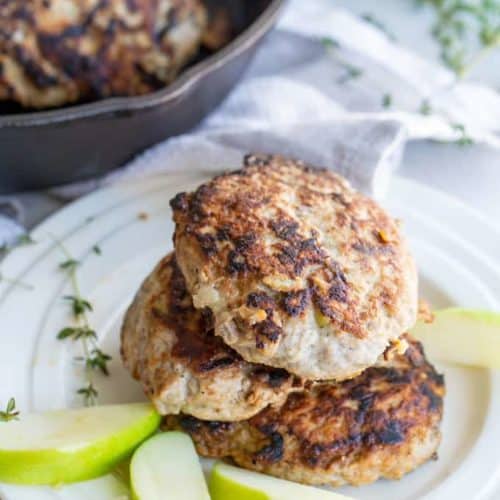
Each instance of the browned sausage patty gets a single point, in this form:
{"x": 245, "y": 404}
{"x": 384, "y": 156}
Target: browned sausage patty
{"x": 55, "y": 52}
{"x": 301, "y": 271}
{"x": 170, "y": 348}
{"x": 381, "y": 424}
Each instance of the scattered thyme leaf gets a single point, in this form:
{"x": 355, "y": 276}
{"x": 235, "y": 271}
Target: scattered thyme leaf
{"x": 69, "y": 264}
{"x": 464, "y": 139}
{"x": 459, "y": 127}
{"x": 351, "y": 73}
{"x": 21, "y": 241}
{"x": 24, "y": 239}
{"x": 425, "y": 107}
{"x": 387, "y": 100}
{"x": 371, "y": 19}
{"x": 330, "y": 43}
{"x": 10, "y": 412}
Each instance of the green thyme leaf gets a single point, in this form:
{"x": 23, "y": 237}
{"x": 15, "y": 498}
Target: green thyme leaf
{"x": 69, "y": 265}
{"x": 351, "y": 73}
{"x": 24, "y": 239}
{"x": 76, "y": 333}
{"x": 78, "y": 304}
{"x": 89, "y": 394}
{"x": 10, "y": 412}
{"x": 425, "y": 107}
{"x": 99, "y": 361}
{"x": 66, "y": 333}
{"x": 464, "y": 139}
{"x": 371, "y": 19}
{"x": 330, "y": 43}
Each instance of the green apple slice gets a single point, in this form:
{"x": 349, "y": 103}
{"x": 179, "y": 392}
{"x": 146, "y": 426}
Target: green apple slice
{"x": 464, "y": 336}
{"x": 72, "y": 445}
{"x": 167, "y": 467}
{"x": 231, "y": 483}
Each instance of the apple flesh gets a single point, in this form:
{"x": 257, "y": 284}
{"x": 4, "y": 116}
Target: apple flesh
{"x": 66, "y": 446}
{"x": 463, "y": 336}
{"x": 167, "y": 467}
{"x": 231, "y": 483}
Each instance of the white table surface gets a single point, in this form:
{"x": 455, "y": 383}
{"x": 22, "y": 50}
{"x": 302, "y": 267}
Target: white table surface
{"x": 471, "y": 173}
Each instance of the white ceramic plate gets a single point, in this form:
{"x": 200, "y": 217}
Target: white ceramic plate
{"x": 456, "y": 250}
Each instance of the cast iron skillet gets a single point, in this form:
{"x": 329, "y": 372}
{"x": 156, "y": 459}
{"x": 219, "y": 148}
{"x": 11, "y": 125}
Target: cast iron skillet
{"x": 49, "y": 148}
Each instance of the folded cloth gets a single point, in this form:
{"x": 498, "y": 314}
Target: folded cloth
{"x": 272, "y": 114}
{"x": 331, "y": 89}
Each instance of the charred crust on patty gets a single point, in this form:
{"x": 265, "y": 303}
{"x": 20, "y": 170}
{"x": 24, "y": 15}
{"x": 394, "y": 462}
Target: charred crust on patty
{"x": 266, "y": 331}
{"x": 284, "y": 229}
{"x": 330, "y": 429}
{"x": 180, "y": 202}
{"x": 272, "y": 228}
{"x": 272, "y": 452}
{"x": 275, "y": 378}
{"x": 208, "y": 244}
{"x": 167, "y": 342}
{"x": 261, "y": 300}
{"x": 294, "y": 303}
{"x": 196, "y": 345}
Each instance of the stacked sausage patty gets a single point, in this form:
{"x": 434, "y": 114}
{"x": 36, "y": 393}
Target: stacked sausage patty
{"x": 275, "y": 334}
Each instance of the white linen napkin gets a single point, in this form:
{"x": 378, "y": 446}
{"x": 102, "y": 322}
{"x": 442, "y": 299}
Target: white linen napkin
{"x": 332, "y": 89}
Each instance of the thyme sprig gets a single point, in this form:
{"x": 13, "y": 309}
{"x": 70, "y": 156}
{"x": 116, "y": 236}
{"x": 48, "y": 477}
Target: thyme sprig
{"x": 10, "y": 412}
{"x": 93, "y": 359}
{"x": 458, "y": 23}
